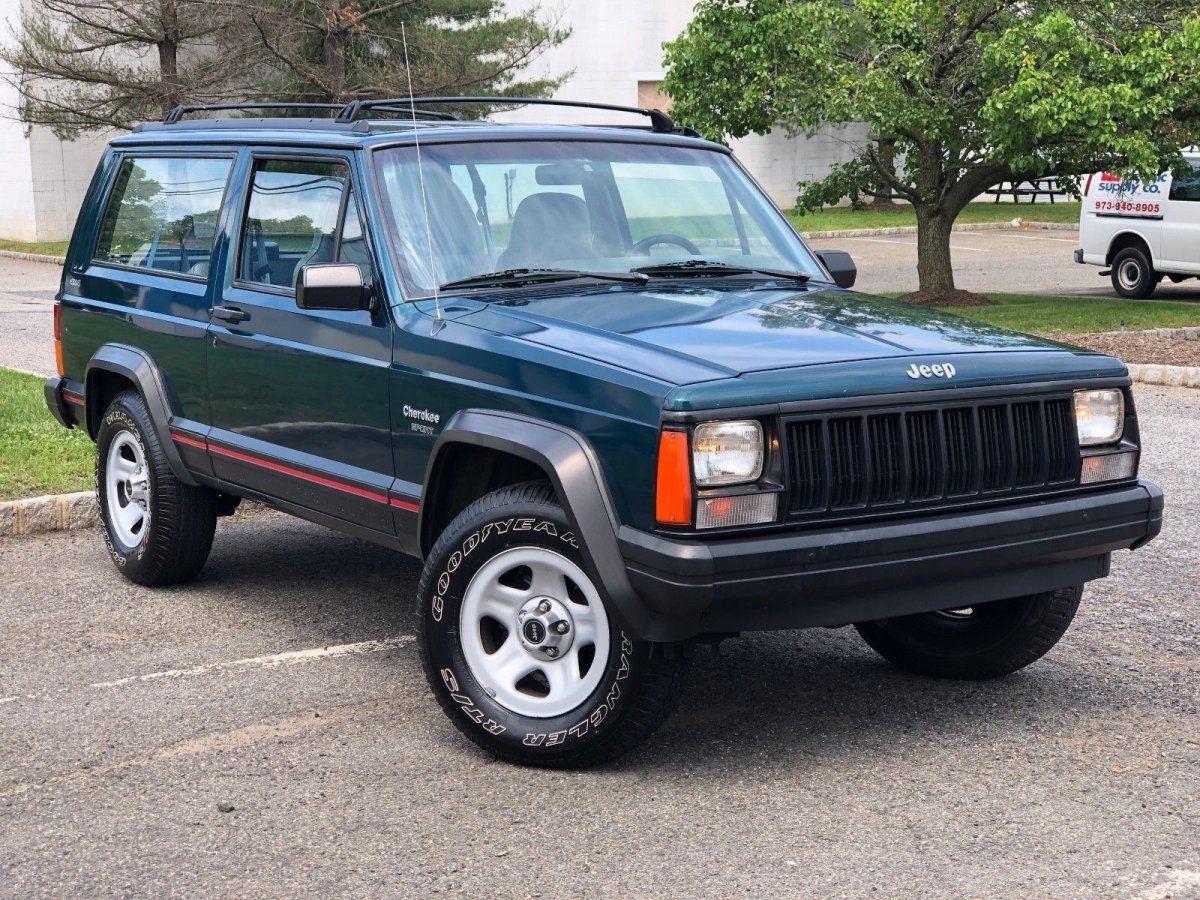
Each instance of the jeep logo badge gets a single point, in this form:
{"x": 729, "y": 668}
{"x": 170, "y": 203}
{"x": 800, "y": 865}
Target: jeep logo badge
{"x": 535, "y": 631}
{"x": 942, "y": 370}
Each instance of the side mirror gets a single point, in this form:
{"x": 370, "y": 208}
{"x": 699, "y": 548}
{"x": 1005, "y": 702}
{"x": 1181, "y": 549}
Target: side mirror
{"x": 335, "y": 286}
{"x": 840, "y": 265}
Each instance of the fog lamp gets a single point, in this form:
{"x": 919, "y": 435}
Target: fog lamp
{"x": 1109, "y": 467}
{"x": 729, "y": 512}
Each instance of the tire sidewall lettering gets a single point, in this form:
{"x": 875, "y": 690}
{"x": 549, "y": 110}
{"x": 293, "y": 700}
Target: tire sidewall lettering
{"x": 455, "y": 679}
{"x": 116, "y": 420}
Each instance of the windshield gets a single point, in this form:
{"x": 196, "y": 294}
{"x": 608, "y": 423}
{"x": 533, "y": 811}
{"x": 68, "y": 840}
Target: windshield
{"x": 575, "y": 205}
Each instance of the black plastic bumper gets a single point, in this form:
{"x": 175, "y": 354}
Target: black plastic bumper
{"x": 55, "y": 401}
{"x": 858, "y": 573}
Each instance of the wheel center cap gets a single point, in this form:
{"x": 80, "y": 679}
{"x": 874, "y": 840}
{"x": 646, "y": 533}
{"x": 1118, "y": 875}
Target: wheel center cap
{"x": 546, "y": 628}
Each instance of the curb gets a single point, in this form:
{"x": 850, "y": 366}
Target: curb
{"x": 1178, "y": 334}
{"x": 59, "y": 512}
{"x": 33, "y": 257}
{"x": 1168, "y": 376}
{"x": 1022, "y": 225}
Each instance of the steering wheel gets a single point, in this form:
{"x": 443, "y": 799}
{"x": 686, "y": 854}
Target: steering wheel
{"x": 643, "y": 246}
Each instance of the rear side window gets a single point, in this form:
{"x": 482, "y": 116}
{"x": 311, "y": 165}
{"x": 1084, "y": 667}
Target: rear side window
{"x": 1187, "y": 188}
{"x": 301, "y": 213}
{"x": 162, "y": 214}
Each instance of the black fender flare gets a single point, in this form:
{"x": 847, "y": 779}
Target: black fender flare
{"x": 571, "y": 464}
{"x": 140, "y": 368}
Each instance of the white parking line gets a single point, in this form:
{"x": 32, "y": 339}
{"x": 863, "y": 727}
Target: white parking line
{"x": 1029, "y": 237}
{"x": 266, "y": 662}
{"x": 4, "y": 700}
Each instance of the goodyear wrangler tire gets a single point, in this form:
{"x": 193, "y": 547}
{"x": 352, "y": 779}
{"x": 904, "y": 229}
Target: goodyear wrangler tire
{"x": 985, "y": 641}
{"x": 519, "y": 645}
{"x": 158, "y": 530}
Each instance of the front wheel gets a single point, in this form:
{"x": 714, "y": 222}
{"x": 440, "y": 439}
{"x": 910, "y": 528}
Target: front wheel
{"x": 518, "y": 643}
{"x": 975, "y": 642}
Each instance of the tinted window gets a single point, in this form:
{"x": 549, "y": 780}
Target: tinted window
{"x": 293, "y": 221}
{"x": 162, "y": 214}
{"x": 1186, "y": 188}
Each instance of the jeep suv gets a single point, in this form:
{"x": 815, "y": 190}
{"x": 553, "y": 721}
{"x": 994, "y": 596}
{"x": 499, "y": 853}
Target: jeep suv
{"x": 597, "y": 382}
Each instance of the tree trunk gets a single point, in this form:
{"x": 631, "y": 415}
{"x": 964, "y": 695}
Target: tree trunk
{"x": 887, "y": 156}
{"x": 935, "y": 271}
{"x": 168, "y": 60}
{"x": 333, "y": 50}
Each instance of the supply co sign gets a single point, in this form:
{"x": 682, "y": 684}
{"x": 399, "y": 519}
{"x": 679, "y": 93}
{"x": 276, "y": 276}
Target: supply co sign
{"x": 1126, "y": 198}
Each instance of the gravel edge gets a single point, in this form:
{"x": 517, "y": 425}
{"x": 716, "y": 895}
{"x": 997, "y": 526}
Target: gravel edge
{"x": 1021, "y": 225}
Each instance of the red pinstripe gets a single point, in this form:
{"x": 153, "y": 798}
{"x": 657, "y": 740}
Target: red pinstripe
{"x": 296, "y": 473}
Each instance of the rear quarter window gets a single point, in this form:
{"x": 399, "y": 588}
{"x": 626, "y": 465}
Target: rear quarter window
{"x": 162, "y": 214}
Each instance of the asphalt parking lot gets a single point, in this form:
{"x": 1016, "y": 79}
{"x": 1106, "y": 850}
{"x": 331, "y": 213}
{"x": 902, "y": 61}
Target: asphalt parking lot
{"x": 1015, "y": 261}
{"x": 267, "y": 731}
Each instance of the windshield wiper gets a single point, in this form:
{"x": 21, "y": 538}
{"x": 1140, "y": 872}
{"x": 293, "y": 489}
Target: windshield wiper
{"x": 536, "y": 276}
{"x": 709, "y": 268}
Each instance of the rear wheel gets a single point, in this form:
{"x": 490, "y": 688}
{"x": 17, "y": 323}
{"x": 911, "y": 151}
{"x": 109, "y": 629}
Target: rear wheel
{"x": 1132, "y": 274}
{"x": 975, "y": 642}
{"x": 158, "y": 529}
{"x": 519, "y": 645}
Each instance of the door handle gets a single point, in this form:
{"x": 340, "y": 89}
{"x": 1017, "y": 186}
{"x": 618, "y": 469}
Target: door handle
{"x": 230, "y": 314}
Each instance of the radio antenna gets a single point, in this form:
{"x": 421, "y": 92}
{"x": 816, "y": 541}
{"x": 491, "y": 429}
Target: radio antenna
{"x": 412, "y": 108}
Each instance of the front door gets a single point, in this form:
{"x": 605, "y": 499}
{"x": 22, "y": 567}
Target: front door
{"x": 299, "y": 398}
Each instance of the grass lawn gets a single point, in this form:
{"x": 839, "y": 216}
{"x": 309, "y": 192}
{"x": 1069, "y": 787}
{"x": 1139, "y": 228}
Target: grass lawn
{"x": 50, "y": 248}
{"x": 839, "y": 218}
{"x": 37, "y": 455}
{"x": 1047, "y": 315}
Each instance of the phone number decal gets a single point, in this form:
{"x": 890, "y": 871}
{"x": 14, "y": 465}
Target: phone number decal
{"x": 1126, "y": 206}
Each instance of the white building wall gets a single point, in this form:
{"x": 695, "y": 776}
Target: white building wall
{"x": 614, "y": 44}
{"x": 45, "y": 178}
{"x": 17, "y": 219}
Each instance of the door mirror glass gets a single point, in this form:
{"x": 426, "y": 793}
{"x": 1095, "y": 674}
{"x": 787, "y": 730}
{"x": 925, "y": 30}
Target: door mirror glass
{"x": 840, "y": 265}
{"x": 336, "y": 286}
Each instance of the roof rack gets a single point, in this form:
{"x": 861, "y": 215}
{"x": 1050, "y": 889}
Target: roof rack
{"x": 353, "y": 113}
{"x": 176, "y": 114}
{"x": 659, "y": 121}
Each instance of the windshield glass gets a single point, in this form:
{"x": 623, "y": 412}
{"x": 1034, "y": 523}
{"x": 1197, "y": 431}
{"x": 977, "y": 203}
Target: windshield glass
{"x": 577, "y": 205}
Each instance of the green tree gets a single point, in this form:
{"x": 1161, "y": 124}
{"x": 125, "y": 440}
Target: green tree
{"x": 975, "y": 92}
{"x": 342, "y": 50}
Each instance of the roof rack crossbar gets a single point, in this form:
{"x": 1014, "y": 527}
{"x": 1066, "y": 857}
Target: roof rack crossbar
{"x": 350, "y": 111}
{"x": 659, "y": 120}
{"x": 177, "y": 114}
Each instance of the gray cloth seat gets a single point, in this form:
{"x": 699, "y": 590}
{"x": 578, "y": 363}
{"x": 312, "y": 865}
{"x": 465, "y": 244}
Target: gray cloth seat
{"x": 547, "y": 230}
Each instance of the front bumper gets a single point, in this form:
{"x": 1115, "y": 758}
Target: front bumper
{"x": 858, "y": 573}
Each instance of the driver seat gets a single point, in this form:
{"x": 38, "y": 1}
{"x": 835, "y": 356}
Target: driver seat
{"x": 548, "y": 229}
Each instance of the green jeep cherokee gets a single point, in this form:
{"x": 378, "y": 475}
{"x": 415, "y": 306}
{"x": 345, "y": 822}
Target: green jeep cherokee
{"x": 596, "y": 381}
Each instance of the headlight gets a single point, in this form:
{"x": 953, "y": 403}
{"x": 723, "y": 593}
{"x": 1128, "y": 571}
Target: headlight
{"x": 727, "y": 452}
{"x": 1099, "y": 416}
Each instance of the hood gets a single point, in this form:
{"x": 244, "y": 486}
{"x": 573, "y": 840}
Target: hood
{"x": 685, "y": 334}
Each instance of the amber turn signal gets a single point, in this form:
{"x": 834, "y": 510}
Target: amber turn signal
{"x": 673, "y": 500}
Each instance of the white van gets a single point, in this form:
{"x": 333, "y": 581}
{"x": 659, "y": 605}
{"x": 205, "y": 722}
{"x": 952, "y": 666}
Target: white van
{"x": 1142, "y": 231}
